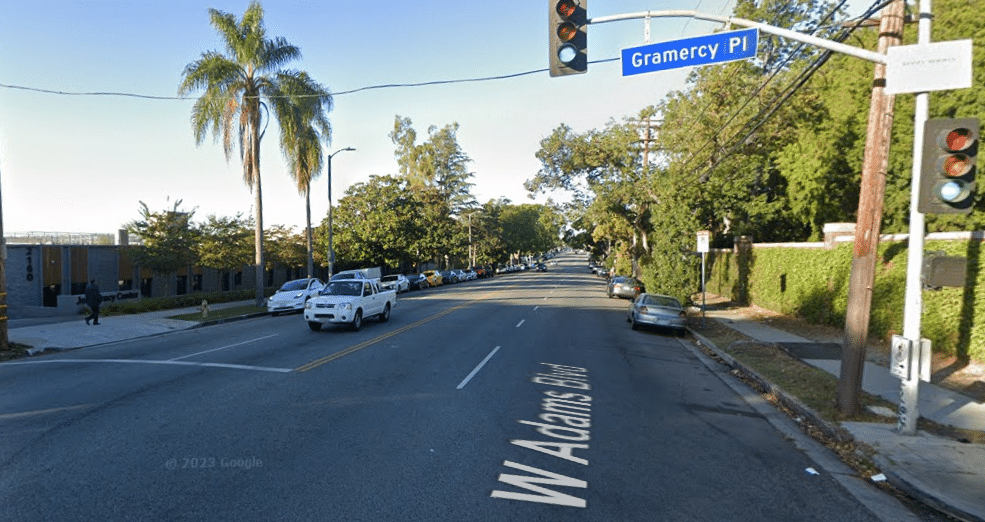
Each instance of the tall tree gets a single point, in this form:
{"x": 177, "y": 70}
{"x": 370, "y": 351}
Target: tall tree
{"x": 301, "y": 106}
{"x": 235, "y": 86}
{"x": 437, "y": 163}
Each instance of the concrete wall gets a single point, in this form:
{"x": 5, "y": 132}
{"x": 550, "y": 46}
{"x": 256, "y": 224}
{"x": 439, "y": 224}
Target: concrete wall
{"x": 24, "y": 279}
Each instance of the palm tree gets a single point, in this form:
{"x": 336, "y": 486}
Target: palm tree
{"x": 301, "y": 106}
{"x": 236, "y": 85}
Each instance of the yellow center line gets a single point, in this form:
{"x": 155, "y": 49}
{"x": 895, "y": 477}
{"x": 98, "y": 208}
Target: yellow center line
{"x": 329, "y": 358}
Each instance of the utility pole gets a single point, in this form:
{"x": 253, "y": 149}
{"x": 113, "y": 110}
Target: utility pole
{"x": 4, "y": 342}
{"x": 870, "y": 206}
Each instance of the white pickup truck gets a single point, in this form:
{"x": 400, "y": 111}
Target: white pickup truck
{"x": 349, "y": 301}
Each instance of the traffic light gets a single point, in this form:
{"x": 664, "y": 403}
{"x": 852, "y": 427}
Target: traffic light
{"x": 947, "y": 174}
{"x": 567, "y": 28}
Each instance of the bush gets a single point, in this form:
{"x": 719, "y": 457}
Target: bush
{"x": 813, "y": 284}
{"x": 153, "y": 304}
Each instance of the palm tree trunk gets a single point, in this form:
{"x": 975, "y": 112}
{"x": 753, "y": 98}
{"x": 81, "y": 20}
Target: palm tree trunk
{"x": 258, "y": 203}
{"x": 307, "y": 207}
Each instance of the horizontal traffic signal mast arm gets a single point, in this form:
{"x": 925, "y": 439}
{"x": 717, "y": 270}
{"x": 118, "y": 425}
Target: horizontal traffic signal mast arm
{"x": 779, "y": 31}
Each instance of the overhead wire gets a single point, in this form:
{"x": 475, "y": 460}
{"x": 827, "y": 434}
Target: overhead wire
{"x": 763, "y": 116}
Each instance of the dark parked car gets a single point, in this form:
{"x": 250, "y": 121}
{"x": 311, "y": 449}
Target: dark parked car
{"x": 417, "y": 281}
{"x": 448, "y": 277}
{"x": 622, "y": 286}
{"x": 657, "y": 310}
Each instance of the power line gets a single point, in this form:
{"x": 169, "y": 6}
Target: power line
{"x": 340, "y": 93}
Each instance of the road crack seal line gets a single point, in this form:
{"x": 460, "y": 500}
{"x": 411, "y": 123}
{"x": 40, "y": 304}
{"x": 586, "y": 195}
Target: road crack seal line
{"x": 365, "y": 344}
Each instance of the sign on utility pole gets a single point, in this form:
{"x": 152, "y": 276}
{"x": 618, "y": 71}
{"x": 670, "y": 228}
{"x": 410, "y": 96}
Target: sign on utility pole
{"x": 928, "y": 67}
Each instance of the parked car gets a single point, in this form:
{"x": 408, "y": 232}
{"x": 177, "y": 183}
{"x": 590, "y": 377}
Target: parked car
{"x": 349, "y": 301}
{"x": 480, "y": 271}
{"x": 622, "y": 286}
{"x": 657, "y": 310}
{"x": 449, "y": 277}
{"x": 471, "y": 275}
{"x": 434, "y": 277}
{"x": 396, "y": 282}
{"x": 417, "y": 281}
{"x": 349, "y": 274}
{"x": 292, "y": 295}
{"x": 541, "y": 267}
{"x": 460, "y": 275}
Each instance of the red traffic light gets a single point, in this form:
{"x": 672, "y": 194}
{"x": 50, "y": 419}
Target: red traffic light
{"x": 956, "y": 140}
{"x": 566, "y": 8}
{"x": 567, "y": 31}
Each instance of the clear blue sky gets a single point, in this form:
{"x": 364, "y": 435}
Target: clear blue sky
{"x": 83, "y": 163}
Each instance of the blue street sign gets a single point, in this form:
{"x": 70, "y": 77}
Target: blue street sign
{"x": 700, "y": 50}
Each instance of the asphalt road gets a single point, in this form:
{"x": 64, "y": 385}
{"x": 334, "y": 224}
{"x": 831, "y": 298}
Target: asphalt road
{"x": 523, "y": 397}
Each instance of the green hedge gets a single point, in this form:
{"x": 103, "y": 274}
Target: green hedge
{"x": 813, "y": 284}
{"x": 153, "y": 304}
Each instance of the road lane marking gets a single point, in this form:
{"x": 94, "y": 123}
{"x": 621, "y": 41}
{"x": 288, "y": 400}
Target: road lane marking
{"x": 224, "y": 347}
{"x": 152, "y": 361}
{"x": 477, "y": 368}
{"x": 521, "y": 322}
{"x": 11, "y": 416}
{"x": 352, "y": 349}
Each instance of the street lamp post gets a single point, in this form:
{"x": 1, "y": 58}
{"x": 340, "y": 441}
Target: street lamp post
{"x": 331, "y": 251}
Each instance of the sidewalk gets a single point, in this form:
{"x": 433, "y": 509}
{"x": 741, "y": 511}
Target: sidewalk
{"x": 943, "y": 473}
{"x": 69, "y": 332}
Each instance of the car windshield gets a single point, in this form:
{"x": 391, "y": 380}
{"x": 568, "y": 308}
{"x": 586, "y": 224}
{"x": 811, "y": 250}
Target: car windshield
{"x": 659, "y": 300}
{"x": 343, "y": 288}
{"x": 290, "y": 286}
{"x": 388, "y": 278}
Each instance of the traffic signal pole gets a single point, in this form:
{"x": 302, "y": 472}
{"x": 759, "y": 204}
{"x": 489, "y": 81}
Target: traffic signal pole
{"x": 878, "y": 58}
{"x": 913, "y": 301}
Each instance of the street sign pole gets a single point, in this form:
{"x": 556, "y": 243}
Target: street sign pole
{"x": 704, "y": 243}
{"x": 913, "y": 299}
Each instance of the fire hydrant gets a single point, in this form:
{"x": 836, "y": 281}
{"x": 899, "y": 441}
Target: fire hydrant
{"x": 205, "y": 309}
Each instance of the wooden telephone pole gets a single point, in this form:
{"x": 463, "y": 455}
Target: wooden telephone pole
{"x": 873, "y": 189}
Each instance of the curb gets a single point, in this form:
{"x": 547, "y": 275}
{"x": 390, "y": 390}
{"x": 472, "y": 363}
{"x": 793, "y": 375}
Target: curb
{"x": 35, "y": 352}
{"x": 835, "y": 432}
{"x": 230, "y": 319}
{"x": 900, "y": 479}
{"x": 915, "y": 488}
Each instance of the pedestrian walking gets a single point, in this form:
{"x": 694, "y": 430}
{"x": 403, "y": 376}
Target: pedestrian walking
{"x": 93, "y": 299}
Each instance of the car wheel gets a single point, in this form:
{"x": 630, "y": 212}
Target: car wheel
{"x": 357, "y": 321}
{"x": 633, "y": 324}
{"x": 385, "y": 316}
{"x": 315, "y": 326}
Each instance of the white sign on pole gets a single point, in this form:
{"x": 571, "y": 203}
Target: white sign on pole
{"x": 704, "y": 240}
{"x": 936, "y": 66}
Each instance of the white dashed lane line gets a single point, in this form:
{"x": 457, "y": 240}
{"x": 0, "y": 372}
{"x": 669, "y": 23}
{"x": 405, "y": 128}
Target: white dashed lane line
{"x": 477, "y": 368}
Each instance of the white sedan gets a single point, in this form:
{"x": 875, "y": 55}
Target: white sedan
{"x": 292, "y": 295}
{"x": 396, "y": 282}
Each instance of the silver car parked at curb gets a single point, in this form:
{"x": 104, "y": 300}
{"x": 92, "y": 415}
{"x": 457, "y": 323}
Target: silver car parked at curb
{"x": 658, "y": 310}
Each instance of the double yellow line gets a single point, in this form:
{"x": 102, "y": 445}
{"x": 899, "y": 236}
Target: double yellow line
{"x": 337, "y": 355}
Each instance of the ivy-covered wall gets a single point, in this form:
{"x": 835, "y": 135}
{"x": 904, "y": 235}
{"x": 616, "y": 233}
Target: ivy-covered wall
{"x": 812, "y": 283}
